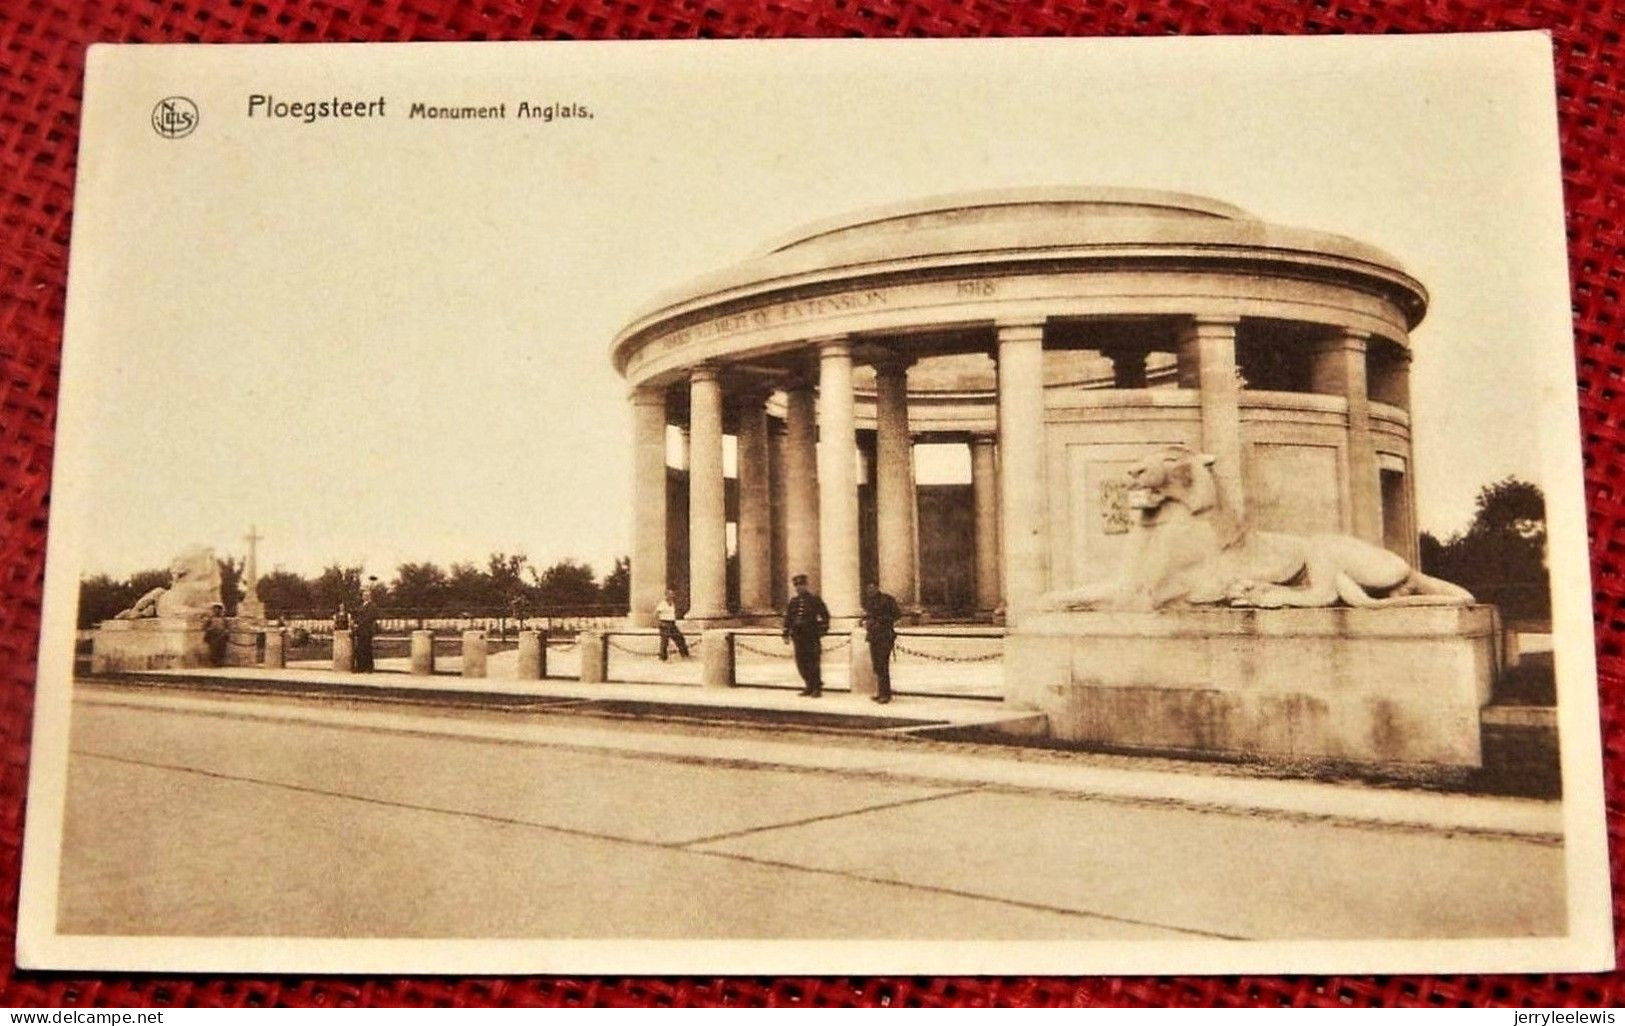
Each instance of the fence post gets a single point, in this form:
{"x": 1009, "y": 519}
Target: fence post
{"x": 474, "y": 653}
{"x": 862, "y": 667}
{"x": 276, "y": 648}
{"x": 594, "y": 656}
{"x": 532, "y": 655}
{"x": 422, "y": 653}
{"x": 343, "y": 650}
{"x": 717, "y": 658}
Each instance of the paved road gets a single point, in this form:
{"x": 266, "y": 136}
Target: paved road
{"x": 231, "y": 816}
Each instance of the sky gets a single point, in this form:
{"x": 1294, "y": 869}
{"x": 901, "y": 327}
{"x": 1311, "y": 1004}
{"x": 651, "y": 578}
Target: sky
{"x": 388, "y": 340}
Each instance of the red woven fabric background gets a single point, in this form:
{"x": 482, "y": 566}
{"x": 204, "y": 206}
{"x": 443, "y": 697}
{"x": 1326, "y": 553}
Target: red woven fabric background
{"x": 42, "y": 48}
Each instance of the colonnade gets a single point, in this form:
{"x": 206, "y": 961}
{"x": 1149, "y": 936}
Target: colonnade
{"x": 820, "y": 509}
{"x": 818, "y": 496}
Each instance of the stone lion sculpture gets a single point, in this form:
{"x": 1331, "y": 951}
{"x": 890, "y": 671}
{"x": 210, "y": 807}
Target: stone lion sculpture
{"x": 1188, "y": 549}
{"x": 194, "y": 587}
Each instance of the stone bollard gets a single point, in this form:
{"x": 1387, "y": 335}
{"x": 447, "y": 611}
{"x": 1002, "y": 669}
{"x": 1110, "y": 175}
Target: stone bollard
{"x": 717, "y": 659}
{"x": 276, "y": 648}
{"x": 863, "y": 668}
{"x": 343, "y": 652}
{"x": 474, "y": 653}
{"x": 532, "y": 655}
{"x": 594, "y": 657}
{"x": 422, "y": 653}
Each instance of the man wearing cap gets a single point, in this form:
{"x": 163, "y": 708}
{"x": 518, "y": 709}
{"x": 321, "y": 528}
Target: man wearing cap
{"x": 806, "y": 621}
{"x": 880, "y": 616}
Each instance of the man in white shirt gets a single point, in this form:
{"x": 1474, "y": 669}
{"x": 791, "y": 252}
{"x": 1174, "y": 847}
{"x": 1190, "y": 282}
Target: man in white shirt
{"x": 666, "y": 618}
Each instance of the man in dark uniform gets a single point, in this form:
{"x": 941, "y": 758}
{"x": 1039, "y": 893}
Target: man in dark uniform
{"x": 366, "y": 625}
{"x": 806, "y": 621}
{"x": 216, "y": 634}
{"x": 880, "y": 616}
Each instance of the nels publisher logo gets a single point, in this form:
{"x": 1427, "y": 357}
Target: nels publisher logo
{"x": 174, "y": 117}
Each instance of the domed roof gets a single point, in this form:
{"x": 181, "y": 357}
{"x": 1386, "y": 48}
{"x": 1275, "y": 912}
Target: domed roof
{"x": 1040, "y": 229}
{"x": 1007, "y": 209}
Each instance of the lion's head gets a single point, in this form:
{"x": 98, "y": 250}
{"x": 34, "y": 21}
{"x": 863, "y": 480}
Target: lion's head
{"x": 196, "y": 563}
{"x": 194, "y": 586}
{"x": 1172, "y": 474}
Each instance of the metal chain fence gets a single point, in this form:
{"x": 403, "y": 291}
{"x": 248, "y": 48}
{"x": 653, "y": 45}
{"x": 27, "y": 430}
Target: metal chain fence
{"x": 943, "y": 657}
{"x": 827, "y": 647}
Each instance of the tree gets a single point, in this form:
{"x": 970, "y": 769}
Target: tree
{"x": 1511, "y": 507}
{"x": 335, "y": 585}
{"x": 102, "y": 598}
{"x": 616, "y": 588}
{"x": 231, "y": 582}
{"x": 1501, "y": 557}
{"x": 284, "y": 592}
{"x": 419, "y": 586}
{"x": 566, "y": 583}
{"x": 506, "y": 572}
{"x": 468, "y": 587}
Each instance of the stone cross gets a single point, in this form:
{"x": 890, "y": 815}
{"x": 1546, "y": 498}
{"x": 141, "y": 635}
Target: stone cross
{"x": 251, "y": 605}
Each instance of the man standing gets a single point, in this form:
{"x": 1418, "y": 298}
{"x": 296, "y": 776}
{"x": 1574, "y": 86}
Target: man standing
{"x": 880, "y": 616}
{"x": 666, "y": 620}
{"x": 366, "y": 624}
{"x": 216, "y": 634}
{"x": 806, "y": 621}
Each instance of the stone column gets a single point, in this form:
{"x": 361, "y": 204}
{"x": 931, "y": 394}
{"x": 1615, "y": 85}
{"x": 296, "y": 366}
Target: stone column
{"x": 1339, "y": 369}
{"x": 801, "y": 484}
{"x": 276, "y": 639}
{"x": 894, "y": 484}
{"x": 1207, "y": 361}
{"x": 1390, "y": 376}
{"x": 860, "y": 667}
{"x": 594, "y": 651}
{"x": 648, "y": 503}
{"x": 778, "y": 506}
{"x": 837, "y": 479}
{"x": 717, "y": 659}
{"x": 707, "y": 502}
{"x": 343, "y": 651}
{"x": 755, "y": 506}
{"x": 474, "y": 649}
{"x": 1023, "y": 498}
{"x": 422, "y": 653}
{"x": 985, "y": 501}
{"x": 532, "y": 655}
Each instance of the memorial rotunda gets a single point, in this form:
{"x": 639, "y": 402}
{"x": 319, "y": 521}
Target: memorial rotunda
{"x": 1058, "y": 333}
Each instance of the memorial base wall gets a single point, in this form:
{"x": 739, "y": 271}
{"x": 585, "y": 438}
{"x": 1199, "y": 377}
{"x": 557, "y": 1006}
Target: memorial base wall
{"x": 163, "y": 643}
{"x": 1399, "y": 686}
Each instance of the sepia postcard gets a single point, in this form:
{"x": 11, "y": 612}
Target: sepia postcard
{"x": 872, "y": 507}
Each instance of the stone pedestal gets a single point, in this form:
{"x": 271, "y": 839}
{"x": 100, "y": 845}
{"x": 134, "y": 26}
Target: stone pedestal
{"x": 532, "y": 655}
{"x": 863, "y": 667}
{"x": 422, "y": 653}
{"x": 162, "y": 643}
{"x": 717, "y": 659}
{"x": 1399, "y": 686}
{"x": 594, "y": 657}
{"x": 276, "y": 648}
{"x": 474, "y": 653}
{"x": 244, "y": 646}
{"x": 343, "y": 651}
